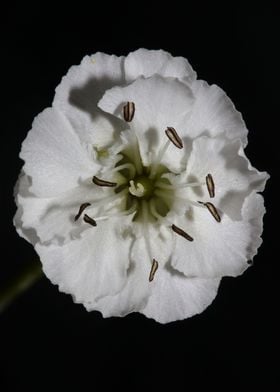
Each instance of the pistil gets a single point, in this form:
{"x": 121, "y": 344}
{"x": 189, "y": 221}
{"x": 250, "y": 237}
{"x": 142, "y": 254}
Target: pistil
{"x": 141, "y": 187}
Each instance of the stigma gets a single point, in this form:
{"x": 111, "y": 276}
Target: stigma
{"x": 141, "y": 187}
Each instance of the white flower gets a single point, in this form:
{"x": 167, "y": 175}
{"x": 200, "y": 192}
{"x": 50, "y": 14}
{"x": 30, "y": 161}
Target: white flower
{"x": 136, "y": 192}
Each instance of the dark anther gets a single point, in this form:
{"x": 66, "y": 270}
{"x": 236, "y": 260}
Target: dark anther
{"x": 153, "y": 270}
{"x": 81, "y": 209}
{"x": 100, "y": 182}
{"x": 210, "y": 185}
{"x": 89, "y": 220}
{"x": 212, "y": 209}
{"x": 128, "y": 111}
{"x": 181, "y": 232}
{"x": 174, "y": 137}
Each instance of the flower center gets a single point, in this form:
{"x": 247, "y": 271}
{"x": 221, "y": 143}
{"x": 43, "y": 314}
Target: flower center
{"x": 147, "y": 192}
{"x": 141, "y": 187}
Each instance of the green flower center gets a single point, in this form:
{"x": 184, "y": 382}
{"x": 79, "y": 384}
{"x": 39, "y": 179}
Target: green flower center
{"x": 147, "y": 192}
{"x": 142, "y": 187}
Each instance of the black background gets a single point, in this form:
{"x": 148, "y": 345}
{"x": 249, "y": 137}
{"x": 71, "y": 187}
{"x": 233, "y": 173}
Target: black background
{"x": 46, "y": 340}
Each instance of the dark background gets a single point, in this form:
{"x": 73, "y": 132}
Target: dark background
{"x": 46, "y": 340}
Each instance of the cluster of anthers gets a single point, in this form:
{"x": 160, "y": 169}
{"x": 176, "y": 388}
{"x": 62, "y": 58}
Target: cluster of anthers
{"x": 145, "y": 191}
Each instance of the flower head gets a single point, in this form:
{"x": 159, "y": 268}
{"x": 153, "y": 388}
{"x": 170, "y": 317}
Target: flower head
{"x": 136, "y": 192}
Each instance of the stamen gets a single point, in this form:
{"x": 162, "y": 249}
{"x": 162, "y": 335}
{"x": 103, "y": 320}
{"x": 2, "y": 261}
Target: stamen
{"x": 153, "y": 210}
{"x": 131, "y": 210}
{"x": 89, "y": 220}
{"x": 100, "y": 182}
{"x": 174, "y": 137}
{"x": 159, "y": 157}
{"x": 181, "y": 232}
{"x": 104, "y": 201}
{"x": 128, "y": 111}
{"x": 199, "y": 204}
{"x": 210, "y": 185}
{"x": 212, "y": 209}
{"x": 128, "y": 166}
{"x": 146, "y": 227}
{"x": 81, "y": 209}
{"x": 162, "y": 185}
{"x": 153, "y": 270}
{"x": 166, "y": 195}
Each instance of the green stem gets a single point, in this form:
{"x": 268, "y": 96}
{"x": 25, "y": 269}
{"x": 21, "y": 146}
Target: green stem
{"x": 19, "y": 284}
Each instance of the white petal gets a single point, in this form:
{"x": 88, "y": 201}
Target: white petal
{"x": 21, "y": 190}
{"x": 134, "y": 295}
{"x": 144, "y": 62}
{"x": 214, "y": 114}
{"x": 253, "y": 212}
{"x": 54, "y": 157}
{"x": 80, "y": 90}
{"x": 52, "y": 218}
{"x": 135, "y": 292}
{"x": 159, "y": 103}
{"x": 93, "y": 265}
{"x": 219, "y": 249}
{"x": 233, "y": 175}
{"x": 176, "y": 297}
